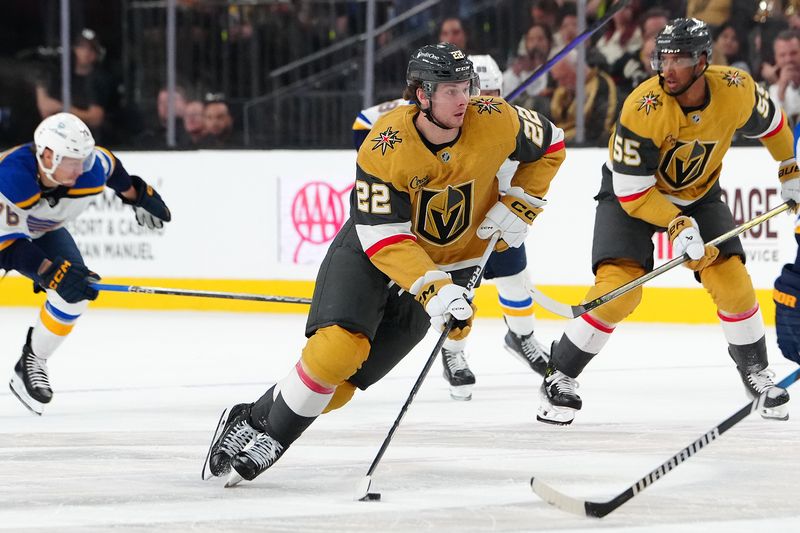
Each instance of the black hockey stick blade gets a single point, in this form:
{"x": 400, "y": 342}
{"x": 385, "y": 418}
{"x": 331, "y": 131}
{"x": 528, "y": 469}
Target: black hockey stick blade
{"x": 600, "y": 509}
{"x": 574, "y": 311}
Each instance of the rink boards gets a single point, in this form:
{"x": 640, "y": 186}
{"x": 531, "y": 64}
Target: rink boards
{"x": 260, "y": 222}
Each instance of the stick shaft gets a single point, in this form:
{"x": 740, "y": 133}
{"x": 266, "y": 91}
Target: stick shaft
{"x": 473, "y": 282}
{"x": 201, "y": 294}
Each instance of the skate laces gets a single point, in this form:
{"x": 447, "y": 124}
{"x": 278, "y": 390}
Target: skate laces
{"x": 761, "y": 380}
{"x": 563, "y": 383}
{"x": 36, "y": 369}
{"x": 237, "y": 438}
{"x": 455, "y": 361}
{"x": 531, "y": 347}
{"x": 265, "y": 451}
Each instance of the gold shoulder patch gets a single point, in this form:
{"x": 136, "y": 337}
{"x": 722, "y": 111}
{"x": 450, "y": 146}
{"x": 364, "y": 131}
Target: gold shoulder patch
{"x": 386, "y": 139}
{"x": 733, "y": 77}
{"x": 649, "y": 102}
{"x": 486, "y": 104}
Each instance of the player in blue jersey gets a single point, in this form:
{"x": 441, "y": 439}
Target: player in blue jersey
{"x": 507, "y": 269}
{"x": 786, "y": 294}
{"x": 44, "y": 185}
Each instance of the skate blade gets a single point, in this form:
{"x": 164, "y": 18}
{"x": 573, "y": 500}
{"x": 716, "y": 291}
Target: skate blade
{"x": 780, "y": 412}
{"x": 18, "y": 390}
{"x": 553, "y": 414}
{"x": 461, "y": 393}
{"x": 223, "y": 419}
{"x": 233, "y": 479}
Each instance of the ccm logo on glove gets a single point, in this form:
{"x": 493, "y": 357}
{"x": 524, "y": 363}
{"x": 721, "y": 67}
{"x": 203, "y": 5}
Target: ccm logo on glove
{"x": 523, "y": 210}
{"x": 58, "y": 275}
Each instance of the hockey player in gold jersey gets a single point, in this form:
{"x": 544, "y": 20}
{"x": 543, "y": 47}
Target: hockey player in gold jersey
{"x": 425, "y": 199}
{"x": 665, "y": 160}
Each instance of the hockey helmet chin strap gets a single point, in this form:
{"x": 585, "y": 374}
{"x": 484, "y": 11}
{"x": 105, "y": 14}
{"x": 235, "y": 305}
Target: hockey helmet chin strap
{"x": 428, "y": 88}
{"x": 429, "y": 115}
{"x": 686, "y": 88}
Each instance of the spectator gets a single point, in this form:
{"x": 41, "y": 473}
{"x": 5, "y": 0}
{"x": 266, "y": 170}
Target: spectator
{"x": 538, "y": 43}
{"x": 568, "y": 26}
{"x": 727, "y": 48}
{"x": 155, "y": 134}
{"x": 636, "y": 69}
{"x": 217, "y": 123}
{"x": 451, "y": 30}
{"x": 193, "y": 122}
{"x": 786, "y": 90}
{"x": 599, "y": 109}
{"x": 91, "y": 89}
{"x": 652, "y": 22}
{"x": 622, "y": 36}
{"x": 545, "y": 12}
{"x": 715, "y": 13}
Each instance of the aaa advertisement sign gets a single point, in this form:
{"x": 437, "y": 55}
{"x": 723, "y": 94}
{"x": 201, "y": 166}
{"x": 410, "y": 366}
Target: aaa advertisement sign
{"x": 312, "y": 212}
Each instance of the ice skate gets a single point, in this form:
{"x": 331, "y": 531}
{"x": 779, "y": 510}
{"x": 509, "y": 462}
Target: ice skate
{"x": 251, "y": 462}
{"x": 775, "y": 403}
{"x": 458, "y": 374}
{"x": 559, "y": 401}
{"x": 528, "y": 350}
{"x": 29, "y": 381}
{"x": 232, "y": 435}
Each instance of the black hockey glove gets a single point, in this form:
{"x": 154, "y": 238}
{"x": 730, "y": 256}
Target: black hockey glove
{"x": 72, "y": 281}
{"x": 150, "y": 209}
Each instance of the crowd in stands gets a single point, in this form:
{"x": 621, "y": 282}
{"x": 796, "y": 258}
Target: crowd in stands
{"x": 759, "y": 38}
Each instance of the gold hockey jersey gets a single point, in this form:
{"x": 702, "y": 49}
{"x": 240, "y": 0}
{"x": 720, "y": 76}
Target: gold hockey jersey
{"x": 416, "y": 210}
{"x": 663, "y": 156}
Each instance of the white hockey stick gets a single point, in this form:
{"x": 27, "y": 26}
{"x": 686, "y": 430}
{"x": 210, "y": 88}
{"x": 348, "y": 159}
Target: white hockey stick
{"x": 574, "y": 311}
{"x": 600, "y": 509}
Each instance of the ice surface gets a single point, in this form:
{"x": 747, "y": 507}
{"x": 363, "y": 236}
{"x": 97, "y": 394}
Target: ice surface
{"x": 138, "y": 394}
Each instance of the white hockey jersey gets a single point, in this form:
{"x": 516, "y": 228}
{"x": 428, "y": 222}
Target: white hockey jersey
{"x": 27, "y": 213}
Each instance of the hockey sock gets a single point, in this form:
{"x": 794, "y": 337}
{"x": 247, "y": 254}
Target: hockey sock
{"x": 516, "y": 302}
{"x": 452, "y": 345}
{"x": 299, "y": 402}
{"x": 583, "y": 338}
{"x": 745, "y": 335}
{"x": 56, "y": 320}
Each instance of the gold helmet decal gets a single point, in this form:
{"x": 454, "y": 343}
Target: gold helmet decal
{"x": 444, "y": 215}
{"x": 686, "y": 162}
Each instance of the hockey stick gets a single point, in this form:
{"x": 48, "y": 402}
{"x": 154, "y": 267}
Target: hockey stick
{"x": 201, "y": 294}
{"x": 544, "y": 68}
{"x": 362, "y": 488}
{"x": 601, "y": 509}
{"x": 574, "y": 311}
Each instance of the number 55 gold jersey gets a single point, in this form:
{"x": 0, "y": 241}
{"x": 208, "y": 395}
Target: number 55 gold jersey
{"x": 660, "y": 148}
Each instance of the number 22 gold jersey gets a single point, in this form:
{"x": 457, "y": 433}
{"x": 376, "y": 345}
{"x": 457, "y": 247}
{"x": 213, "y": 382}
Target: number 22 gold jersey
{"x": 416, "y": 210}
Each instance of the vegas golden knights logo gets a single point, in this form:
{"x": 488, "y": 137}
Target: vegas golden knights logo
{"x": 444, "y": 215}
{"x": 685, "y": 163}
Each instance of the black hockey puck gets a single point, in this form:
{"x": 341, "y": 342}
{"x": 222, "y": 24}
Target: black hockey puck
{"x": 372, "y": 497}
